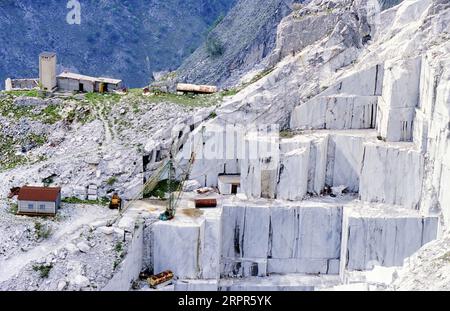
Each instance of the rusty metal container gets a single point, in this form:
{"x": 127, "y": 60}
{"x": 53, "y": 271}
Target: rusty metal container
{"x": 205, "y": 203}
{"x": 193, "y": 88}
{"x": 158, "y": 279}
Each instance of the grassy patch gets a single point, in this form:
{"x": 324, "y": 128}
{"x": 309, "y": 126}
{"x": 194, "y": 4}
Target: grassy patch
{"x": 30, "y": 93}
{"x": 50, "y": 114}
{"x": 44, "y": 270}
{"x": 111, "y": 181}
{"x": 9, "y": 158}
{"x": 42, "y": 231}
{"x": 99, "y": 97}
{"x": 287, "y": 134}
{"x": 162, "y": 188}
{"x": 13, "y": 208}
{"x": 73, "y": 200}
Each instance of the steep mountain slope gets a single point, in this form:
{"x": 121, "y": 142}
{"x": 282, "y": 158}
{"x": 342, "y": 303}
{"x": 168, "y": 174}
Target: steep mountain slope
{"x": 124, "y": 39}
{"x": 242, "y": 39}
{"x": 247, "y": 36}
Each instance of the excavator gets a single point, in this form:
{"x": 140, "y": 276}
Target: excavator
{"x": 116, "y": 202}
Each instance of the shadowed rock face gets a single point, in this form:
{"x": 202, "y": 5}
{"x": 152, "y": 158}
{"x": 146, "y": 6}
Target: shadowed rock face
{"x": 244, "y": 37}
{"x": 124, "y": 39}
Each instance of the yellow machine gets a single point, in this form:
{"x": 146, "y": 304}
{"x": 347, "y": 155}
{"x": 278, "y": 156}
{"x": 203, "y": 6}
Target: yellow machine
{"x": 116, "y": 202}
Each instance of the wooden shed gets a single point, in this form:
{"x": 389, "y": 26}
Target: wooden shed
{"x": 39, "y": 201}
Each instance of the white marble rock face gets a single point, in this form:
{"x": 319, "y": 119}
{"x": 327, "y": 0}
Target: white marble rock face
{"x": 293, "y": 175}
{"x": 211, "y": 244}
{"x": 337, "y": 112}
{"x": 318, "y": 164}
{"x": 396, "y": 107}
{"x": 384, "y": 240}
{"x": 196, "y": 285}
{"x": 243, "y": 267}
{"x": 176, "y": 248}
{"x": 292, "y": 239}
{"x": 345, "y": 156}
{"x": 392, "y": 174}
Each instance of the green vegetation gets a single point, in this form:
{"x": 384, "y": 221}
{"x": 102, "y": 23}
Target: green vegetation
{"x": 9, "y": 158}
{"x": 162, "y": 188}
{"x": 30, "y": 93}
{"x": 287, "y": 134}
{"x": 445, "y": 257}
{"x": 111, "y": 181}
{"x": 119, "y": 247}
{"x": 51, "y": 114}
{"x": 214, "y": 47}
{"x": 73, "y": 200}
{"x": 188, "y": 100}
{"x": 99, "y": 97}
{"x": 120, "y": 254}
{"x": 13, "y": 208}
{"x": 44, "y": 270}
{"x": 42, "y": 231}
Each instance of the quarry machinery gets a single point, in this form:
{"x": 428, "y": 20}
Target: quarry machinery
{"x": 174, "y": 188}
{"x": 175, "y": 191}
{"x": 116, "y": 202}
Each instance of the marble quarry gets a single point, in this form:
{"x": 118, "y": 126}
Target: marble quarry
{"x": 357, "y": 178}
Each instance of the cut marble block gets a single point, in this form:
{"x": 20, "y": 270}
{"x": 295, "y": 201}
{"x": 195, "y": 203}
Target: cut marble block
{"x": 312, "y": 231}
{"x": 176, "y": 247}
{"x": 392, "y": 174}
{"x": 396, "y": 107}
{"x": 232, "y": 267}
{"x": 345, "y": 155}
{"x": 297, "y": 142}
{"x": 383, "y": 236}
{"x": 289, "y": 238}
{"x": 293, "y": 265}
{"x": 259, "y": 169}
{"x": 190, "y": 247}
{"x": 245, "y": 231}
{"x": 211, "y": 246}
{"x": 338, "y": 112}
{"x": 367, "y": 82}
{"x": 401, "y": 83}
{"x": 395, "y": 125}
{"x": 293, "y": 175}
{"x": 196, "y": 285}
{"x": 420, "y": 130}
{"x": 318, "y": 164}
{"x": 288, "y": 282}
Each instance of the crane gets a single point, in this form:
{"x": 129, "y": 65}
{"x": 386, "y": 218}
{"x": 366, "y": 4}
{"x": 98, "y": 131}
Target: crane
{"x": 174, "y": 192}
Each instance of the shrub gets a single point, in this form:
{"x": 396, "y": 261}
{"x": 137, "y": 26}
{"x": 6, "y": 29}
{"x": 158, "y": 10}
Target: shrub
{"x": 111, "y": 181}
{"x": 41, "y": 231}
{"x": 44, "y": 270}
{"x": 214, "y": 46}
